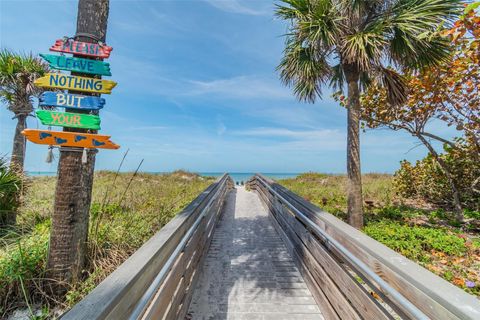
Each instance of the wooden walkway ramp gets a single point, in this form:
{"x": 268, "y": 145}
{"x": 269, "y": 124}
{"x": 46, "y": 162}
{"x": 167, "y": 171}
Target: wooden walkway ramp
{"x": 268, "y": 254}
{"x": 248, "y": 273}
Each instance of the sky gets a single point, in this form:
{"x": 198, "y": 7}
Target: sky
{"x": 197, "y": 90}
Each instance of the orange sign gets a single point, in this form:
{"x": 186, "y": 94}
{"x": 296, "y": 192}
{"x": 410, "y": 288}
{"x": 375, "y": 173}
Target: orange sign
{"x": 69, "y": 139}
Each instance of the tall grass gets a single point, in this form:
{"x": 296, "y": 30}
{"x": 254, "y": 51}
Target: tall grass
{"x": 133, "y": 210}
{"x": 415, "y": 230}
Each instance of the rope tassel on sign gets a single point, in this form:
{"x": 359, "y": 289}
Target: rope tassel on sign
{"x": 84, "y": 155}
{"x": 49, "y": 158}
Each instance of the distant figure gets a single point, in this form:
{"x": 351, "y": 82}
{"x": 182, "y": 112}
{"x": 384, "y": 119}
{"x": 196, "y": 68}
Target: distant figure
{"x": 236, "y": 182}
{"x": 242, "y": 182}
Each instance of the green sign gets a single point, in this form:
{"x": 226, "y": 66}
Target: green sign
{"x": 78, "y": 64}
{"x": 68, "y": 119}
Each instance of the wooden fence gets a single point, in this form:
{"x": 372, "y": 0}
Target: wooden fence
{"x": 156, "y": 281}
{"x": 351, "y": 275}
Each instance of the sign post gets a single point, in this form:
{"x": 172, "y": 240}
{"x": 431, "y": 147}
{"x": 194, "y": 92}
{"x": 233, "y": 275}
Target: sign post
{"x": 70, "y": 219}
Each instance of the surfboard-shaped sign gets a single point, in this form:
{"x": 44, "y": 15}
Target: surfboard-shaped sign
{"x": 76, "y": 83}
{"x": 77, "y": 64}
{"x": 68, "y": 119}
{"x": 69, "y": 139}
{"x": 69, "y": 100}
{"x": 82, "y": 48}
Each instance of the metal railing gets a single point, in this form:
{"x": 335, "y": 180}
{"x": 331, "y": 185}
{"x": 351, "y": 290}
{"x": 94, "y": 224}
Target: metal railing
{"x": 156, "y": 281}
{"x": 422, "y": 295}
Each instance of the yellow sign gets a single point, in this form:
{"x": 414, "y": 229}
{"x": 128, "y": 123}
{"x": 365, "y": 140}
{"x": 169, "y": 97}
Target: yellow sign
{"x": 76, "y": 83}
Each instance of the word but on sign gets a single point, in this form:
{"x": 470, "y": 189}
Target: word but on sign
{"x": 68, "y": 100}
{"x": 76, "y": 83}
{"x": 81, "y": 48}
{"x": 68, "y": 119}
{"x": 69, "y": 139}
{"x": 78, "y": 64}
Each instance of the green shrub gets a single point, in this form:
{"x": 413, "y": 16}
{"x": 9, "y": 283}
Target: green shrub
{"x": 404, "y": 180}
{"x": 10, "y": 188}
{"x": 413, "y": 241}
{"x": 23, "y": 262}
{"x": 427, "y": 180}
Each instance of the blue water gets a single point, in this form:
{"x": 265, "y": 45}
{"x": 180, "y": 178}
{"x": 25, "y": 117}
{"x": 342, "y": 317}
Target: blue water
{"x": 236, "y": 176}
{"x": 244, "y": 176}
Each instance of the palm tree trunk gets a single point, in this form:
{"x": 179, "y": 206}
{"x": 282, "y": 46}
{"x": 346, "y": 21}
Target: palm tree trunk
{"x": 18, "y": 151}
{"x": 451, "y": 181}
{"x": 354, "y": 187}
{"x": 68, "y": 238}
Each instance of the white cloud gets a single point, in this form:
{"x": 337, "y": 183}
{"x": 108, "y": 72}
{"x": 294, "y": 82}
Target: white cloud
{"x": 235, "y": 6}
{"x": 296, "y": 140}
{"x": 288, "y": 133}
{"x": 241, "y": 87}
{"x": 147, "y": 128}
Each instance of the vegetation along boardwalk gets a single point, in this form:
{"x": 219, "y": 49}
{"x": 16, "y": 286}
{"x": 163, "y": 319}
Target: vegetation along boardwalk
{"x": 263, "y": 252}
{"x": 248, "y": 273}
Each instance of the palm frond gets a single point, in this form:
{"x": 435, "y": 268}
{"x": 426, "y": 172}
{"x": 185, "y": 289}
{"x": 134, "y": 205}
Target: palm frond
{"x": 364, "y": 49}
{"x": 395, "y": 86}
{"x": 17, "y": 75}
{"x": 293, "y": 9}
{"x": 364, "y": 34}
{"x": 10, "y": 186}
{"x": 305, "y": 71}
{"x": 415, "y": 41}
{"x": 338, "y": 78}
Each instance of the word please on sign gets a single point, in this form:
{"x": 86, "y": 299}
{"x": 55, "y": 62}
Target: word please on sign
{"x": 81, "y": 48}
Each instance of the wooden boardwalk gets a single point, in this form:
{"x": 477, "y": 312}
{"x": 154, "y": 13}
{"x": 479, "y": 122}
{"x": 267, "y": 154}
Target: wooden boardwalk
{"x": 248, "y": 273}
{"x": 227, "y": 256}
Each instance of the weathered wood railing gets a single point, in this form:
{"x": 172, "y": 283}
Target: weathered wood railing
{"x": 342, "y": 266}
{"x": 156, "y": 281}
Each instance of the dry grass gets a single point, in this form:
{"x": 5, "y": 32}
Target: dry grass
{"x": 121, "y": 220}
{"x": 424, "y": 234}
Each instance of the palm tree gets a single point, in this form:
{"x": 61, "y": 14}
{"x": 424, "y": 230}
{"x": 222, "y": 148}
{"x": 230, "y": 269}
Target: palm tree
{"x": 355, "y": 43}
{"x": 17, "y": 73}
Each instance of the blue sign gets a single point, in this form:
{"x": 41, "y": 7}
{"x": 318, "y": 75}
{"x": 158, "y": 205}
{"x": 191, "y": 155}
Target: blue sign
{"x": 68, "y": 100}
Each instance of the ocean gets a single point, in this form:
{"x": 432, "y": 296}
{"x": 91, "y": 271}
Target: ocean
{"x": 236, "y": 176}
{"x": 244, "y": 176}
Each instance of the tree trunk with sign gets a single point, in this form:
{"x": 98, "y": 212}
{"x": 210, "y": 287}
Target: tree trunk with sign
{"x": 68, "y": 239}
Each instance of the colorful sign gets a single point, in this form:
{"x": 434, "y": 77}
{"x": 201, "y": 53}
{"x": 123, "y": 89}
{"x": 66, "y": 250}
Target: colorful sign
{"x": 81, "y": 48}
{"x": 78, "y": 64}
{"x": 69, "y": 100}
{"x": 76, "y": 83}
{"x": 68, "y": 119}
{"x": 69, "y": 139}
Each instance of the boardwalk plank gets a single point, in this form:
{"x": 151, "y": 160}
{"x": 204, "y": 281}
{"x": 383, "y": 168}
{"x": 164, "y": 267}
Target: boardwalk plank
{"x": 248, "y": 273}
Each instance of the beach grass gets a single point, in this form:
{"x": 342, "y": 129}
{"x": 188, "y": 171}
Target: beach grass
{"x": 422, "y": 233}
{"x": 126, "y": 211}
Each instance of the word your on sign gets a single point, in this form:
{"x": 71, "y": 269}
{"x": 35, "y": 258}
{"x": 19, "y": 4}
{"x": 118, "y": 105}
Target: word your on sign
{"x": 69, "y": 139}
{"x": 67, "y": 119}
{"x": 76, "y": 83}
{"x": 82, "y": 48}
{"x": 78, "y": 64}
{"x": 68, "y": 100}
